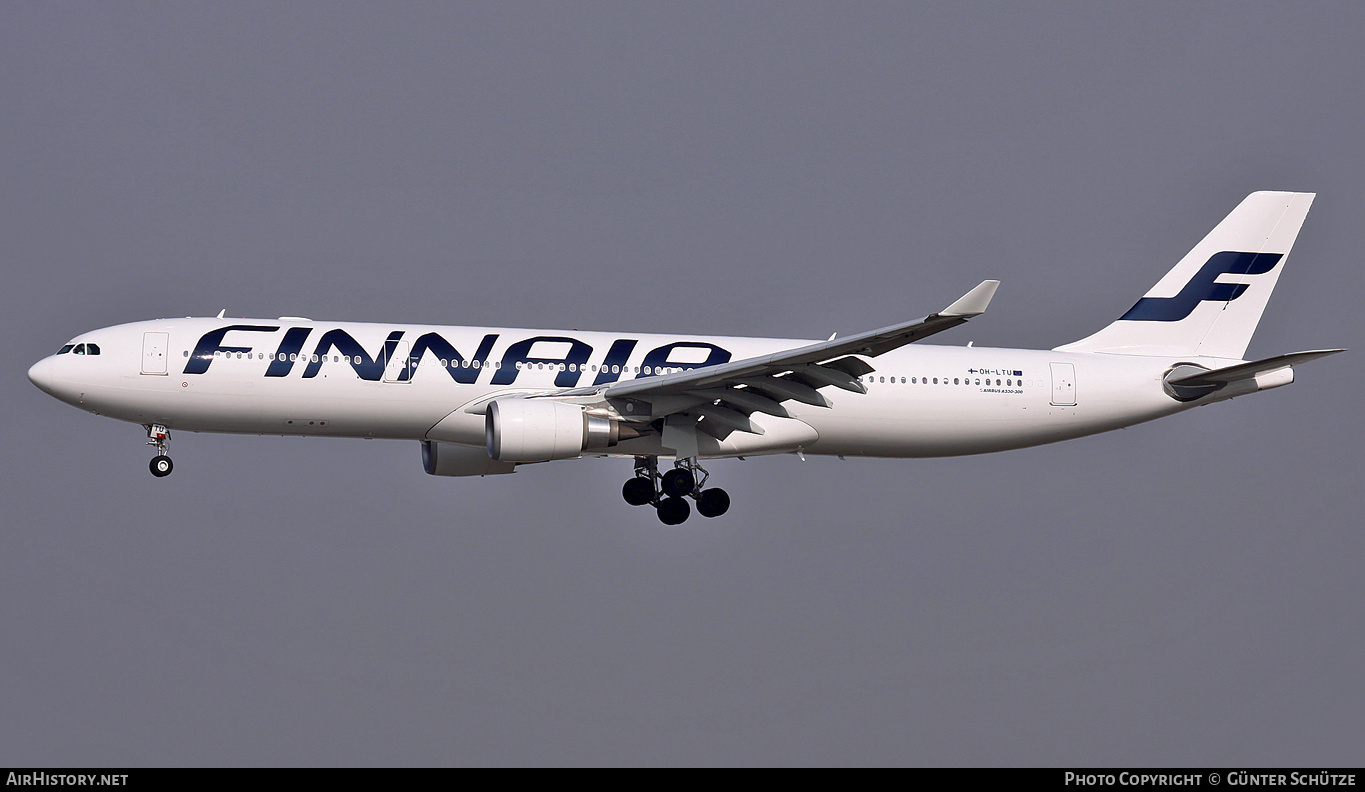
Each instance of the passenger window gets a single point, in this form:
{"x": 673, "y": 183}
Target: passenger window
{"x": 954, "y": 380}
{"x": 935, "y": 380}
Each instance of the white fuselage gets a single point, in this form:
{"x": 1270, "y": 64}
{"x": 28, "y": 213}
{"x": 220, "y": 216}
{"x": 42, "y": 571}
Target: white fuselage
{"x": 298, "y": 377}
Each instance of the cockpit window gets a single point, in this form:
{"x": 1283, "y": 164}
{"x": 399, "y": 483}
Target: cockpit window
{"x": 80, "y": 349}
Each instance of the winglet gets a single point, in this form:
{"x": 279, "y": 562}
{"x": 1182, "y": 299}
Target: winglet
{"x": 973, "y": 302}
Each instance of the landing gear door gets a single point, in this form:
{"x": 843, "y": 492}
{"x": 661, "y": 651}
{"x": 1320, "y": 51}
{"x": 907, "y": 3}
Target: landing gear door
{"x": 154, "y": 352}
{"x": 398, "y": 368}
{"x": 1063, "y": 384}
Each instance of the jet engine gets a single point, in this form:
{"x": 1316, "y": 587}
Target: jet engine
{"x": 451, "y": 459}
{"x": 538, "y": 430}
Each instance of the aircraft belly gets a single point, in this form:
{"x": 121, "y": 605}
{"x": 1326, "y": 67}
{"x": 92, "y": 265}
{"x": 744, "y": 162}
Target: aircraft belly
{"x": 780, "y": 436}
{"x": 354, "y": 409}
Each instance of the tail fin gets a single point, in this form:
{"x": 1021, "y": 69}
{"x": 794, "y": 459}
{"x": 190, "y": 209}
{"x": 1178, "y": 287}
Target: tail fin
{"x": 1211, "y": 302}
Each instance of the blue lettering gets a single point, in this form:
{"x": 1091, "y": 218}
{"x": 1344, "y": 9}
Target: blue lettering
{"x": 617, "y": 356}
{"x": 520, "y": 352}
{"x": 281, "y": 365}
{"x": 659, "y": 357}
{"x": 212, "y": 342}
{"x": 367, "y": 368}
{"x": 442, "y": 349}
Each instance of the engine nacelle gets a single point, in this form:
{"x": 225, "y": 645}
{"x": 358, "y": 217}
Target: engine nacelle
{"x": 451, "y": 459}
{"x": 538, "y": 430}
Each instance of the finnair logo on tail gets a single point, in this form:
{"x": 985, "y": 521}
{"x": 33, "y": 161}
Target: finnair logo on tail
{"x": 1203, "y": 286}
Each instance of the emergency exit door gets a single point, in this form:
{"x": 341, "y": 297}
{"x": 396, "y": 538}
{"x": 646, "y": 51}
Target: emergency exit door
{"x": 154, "y": 352}
{"x": 398, "y": 368}
{"x": 1063, "y": 384}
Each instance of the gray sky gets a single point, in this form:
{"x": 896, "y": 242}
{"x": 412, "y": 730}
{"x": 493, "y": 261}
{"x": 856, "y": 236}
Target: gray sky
{"x": 1182, "y": 592}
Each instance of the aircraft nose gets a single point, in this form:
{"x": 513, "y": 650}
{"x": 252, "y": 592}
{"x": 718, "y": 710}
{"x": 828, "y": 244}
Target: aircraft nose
{"x": 45, "y": 374}
{"x": 41, "y": 374}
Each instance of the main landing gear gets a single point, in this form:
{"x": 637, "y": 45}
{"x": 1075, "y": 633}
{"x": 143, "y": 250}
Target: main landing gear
{"x": 159, "y": 436}
{"x": 668, "y": 493}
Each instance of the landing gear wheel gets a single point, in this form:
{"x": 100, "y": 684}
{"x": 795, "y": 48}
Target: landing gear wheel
{"x": 673, "y": 511}
{"x": 161, "y": 465}
{"x": 713, "y": 502}
{"x": 638, "y": 491}
{"x": 679, "y": 482}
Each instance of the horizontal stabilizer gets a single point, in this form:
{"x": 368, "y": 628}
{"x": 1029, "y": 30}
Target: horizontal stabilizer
{"x": 1241, "y": 371}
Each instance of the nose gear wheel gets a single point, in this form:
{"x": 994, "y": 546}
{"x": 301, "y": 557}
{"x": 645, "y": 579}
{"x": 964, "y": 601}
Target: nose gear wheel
{"x": 159, "y": 436}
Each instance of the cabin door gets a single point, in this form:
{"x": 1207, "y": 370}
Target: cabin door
{"x": 154, "y": 352}
{"x": 1063, "y": 384}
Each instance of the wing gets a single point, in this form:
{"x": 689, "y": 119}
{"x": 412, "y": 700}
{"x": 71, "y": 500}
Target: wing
{"x": 723, "y": 397}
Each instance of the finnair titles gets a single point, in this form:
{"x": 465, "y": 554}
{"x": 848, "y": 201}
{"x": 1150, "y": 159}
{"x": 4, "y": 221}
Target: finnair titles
{"x": 482, "y": 401}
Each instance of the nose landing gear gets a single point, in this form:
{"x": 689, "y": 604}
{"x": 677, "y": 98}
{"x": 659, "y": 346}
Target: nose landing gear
{"x": 159, "y": 436}
{"x": 668, "y": 493}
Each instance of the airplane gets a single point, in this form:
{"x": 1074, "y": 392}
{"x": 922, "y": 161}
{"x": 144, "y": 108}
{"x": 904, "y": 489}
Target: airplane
{"x": 483, "y": 401}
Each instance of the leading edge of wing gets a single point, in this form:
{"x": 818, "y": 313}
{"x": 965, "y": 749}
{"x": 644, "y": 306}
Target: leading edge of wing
{"x": 869, "y": 344}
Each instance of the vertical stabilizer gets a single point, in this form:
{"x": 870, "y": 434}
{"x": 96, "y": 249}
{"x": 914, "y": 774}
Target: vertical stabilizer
{"x": 1210, "y": 303}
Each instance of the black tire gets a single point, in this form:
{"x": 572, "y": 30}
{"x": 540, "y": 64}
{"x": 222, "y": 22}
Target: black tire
{"x": 679, "y": 482}
{"x": 674, "y": 511}
{"x": 161, "y": 465}
{"x": 638, "y": 491}
{"x": 713, "y": 502}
